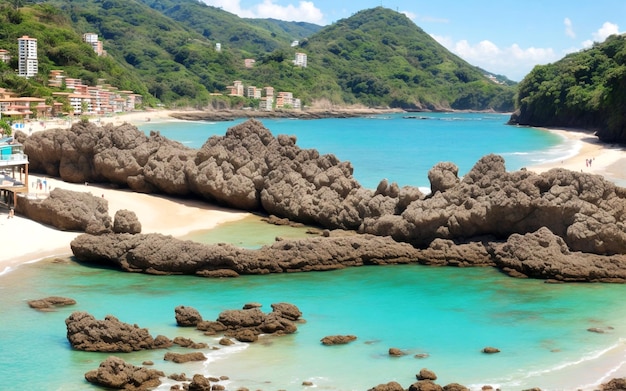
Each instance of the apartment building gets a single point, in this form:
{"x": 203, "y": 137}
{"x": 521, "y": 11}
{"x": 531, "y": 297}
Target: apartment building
{"x": 27, "y": 55}
{"x": 5, "y": 56}
{"x": 236, "y": 89}
{"x": 284, "y": 99}
{"x": 301, "y": 60}
{"x": 96, "y": 44}
{"x": 253, "y": 92}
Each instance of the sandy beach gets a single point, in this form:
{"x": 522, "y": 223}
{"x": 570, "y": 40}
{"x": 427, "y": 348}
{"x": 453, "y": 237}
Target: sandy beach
{"x": 32, "y": 241}
{"x": 592, "y": 157}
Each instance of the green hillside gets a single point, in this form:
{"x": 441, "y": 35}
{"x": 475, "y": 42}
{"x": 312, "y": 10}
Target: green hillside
{"x": 165, "y": 50}
{"x": 583, "y": 90}
{"x": 252, "y": 37}
{"x": 379, "y": 57}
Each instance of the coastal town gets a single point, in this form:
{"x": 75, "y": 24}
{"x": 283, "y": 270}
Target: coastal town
{"x": 72, "y": 97}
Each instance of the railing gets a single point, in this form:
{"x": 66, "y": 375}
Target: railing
{"x": 15, "y": 158}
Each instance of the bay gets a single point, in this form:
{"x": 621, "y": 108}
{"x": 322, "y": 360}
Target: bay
{"x": 446, "y": 314}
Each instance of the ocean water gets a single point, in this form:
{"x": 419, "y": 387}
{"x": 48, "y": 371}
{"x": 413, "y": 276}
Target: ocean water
{"x": 398, "y": 149}
{"x": 447, "y": 314}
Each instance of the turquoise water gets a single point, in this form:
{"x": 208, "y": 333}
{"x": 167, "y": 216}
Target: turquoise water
{"x": 398, "y": 149}
{"x": 447, "y": 313}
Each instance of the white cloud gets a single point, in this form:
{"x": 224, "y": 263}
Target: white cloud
{"x": 410, "y": 15}
{"x": 305, "y": 11}
{"x": 603, "y": 33}
{"x": 569, "y": 29}
{"x": 513, "y": 61}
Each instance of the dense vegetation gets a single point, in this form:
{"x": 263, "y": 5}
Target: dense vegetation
{"x": 59, "y": 47}
{"x": 165, "y": 50}
{"x": 378, "y": 57}
{"x": 251, "y": 37}
{"x": 585, "y": 90}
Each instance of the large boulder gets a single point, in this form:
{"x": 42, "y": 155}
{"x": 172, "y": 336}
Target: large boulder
{"x": 126, "y": 221}
{"x": 159, "y": 254}
{"x": 85, "y": 332}
{"x": 542, "y": 254}
{"x": 187, "y": 316}
{"x": 117, "y": 374}
{"x": 68, "y": 211}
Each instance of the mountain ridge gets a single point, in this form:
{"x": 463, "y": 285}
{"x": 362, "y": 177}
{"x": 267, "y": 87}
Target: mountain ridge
{"x": 352, "y": 61}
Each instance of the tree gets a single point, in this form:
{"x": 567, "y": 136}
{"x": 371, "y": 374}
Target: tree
{"x": 6, "y": 128}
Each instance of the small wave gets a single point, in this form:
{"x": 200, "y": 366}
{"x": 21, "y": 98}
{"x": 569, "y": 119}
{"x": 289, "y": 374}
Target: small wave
{"x": 6, "y": 270}
{"x": 613, "y": 357}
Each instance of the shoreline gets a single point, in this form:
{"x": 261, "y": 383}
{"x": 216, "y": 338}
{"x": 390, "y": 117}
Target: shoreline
{"x": 177, "y": 217}
{"x": 607, "y": 160}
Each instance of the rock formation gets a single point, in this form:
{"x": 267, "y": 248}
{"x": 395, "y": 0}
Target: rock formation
{"x": 338, "y": 339}
{"x": 126, "y": 221}
{"x": 68, "y": 211}
{"x": 187, "y": 316}
{"x": 459, "y": 223}
{"x": 84, "y": 332}
{"x": 117, "y": 374}
{"x": 159, "y": 254}
{"x": 48, "y": 303}
{"x": 247, "y": 324}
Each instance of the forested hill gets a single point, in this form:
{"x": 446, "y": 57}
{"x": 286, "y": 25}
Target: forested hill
{"x": 585, "y": 90}
{"x": 252, "y": 37}
{"x": 166, "y": 51}
{"x": 379, "y": 57}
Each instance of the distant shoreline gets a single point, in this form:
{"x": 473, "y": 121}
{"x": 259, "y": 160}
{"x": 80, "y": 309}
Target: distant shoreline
{"x": 231, "y": 115}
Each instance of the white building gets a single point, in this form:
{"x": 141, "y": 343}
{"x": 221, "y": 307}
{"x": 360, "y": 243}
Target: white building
{"x": 300, "y": 60}
{"x": 27, "y": 55}
{"x": 92, "y": 39}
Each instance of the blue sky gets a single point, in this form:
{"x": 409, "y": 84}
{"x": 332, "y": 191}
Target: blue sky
{"x": 505, "y": 37}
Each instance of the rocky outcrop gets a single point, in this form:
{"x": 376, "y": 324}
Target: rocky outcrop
{"x": 247, "y": 324}
{"x": 126, "y": 221}
{"x": 84, "y": 332}
{"x": 249, "y": 168}
{"x": 159, "y": 254}
{"x": 519, "y": 256}
{"x": 51, "y": 302}
{"x": 588, "y": 212}
{"x": 338, "y": 339}
{"x": 117, "y": 374}
{"x": 187, "y": 316}
{"x": 68, "y": 211}
{"x": 426, "y": 374}
{"x": 542, "y": 254}
{"x": 181, "y": 358}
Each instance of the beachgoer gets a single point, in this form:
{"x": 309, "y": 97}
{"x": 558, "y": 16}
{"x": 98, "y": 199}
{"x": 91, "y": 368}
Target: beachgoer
{"x": 45, "y": 185}
{"x": 11, "y": 213}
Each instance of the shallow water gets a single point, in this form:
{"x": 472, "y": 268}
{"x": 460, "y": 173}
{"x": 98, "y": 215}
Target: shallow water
{"x": 449, "y": 314}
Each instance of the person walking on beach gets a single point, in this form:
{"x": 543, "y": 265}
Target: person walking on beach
{"x": 11, "y": 214}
